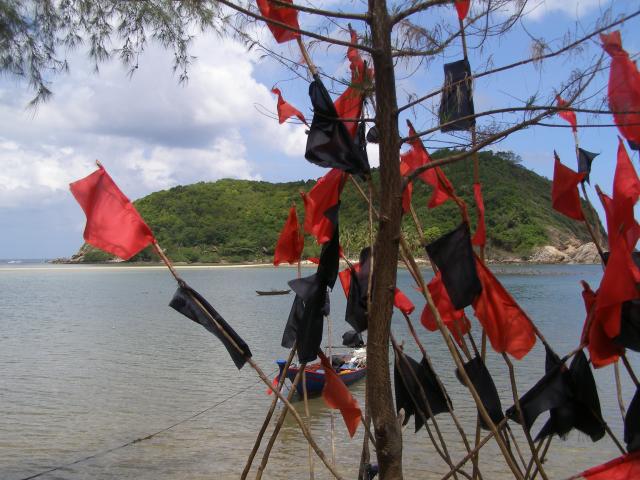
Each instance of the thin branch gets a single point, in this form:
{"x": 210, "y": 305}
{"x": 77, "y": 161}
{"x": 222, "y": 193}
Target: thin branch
{"x": 418, "y": 7}
{"x": 325, "y": 13}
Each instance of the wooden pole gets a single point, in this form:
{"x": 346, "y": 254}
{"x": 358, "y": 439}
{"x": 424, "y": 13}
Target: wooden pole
{"x": 267, "y": 419}
{"x": 308, "y": 415}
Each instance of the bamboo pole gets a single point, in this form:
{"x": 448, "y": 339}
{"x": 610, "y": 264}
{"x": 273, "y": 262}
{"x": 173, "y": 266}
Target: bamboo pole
{"x": 616, "y": 374}
{"x": 276, "y": 430}
{"x": 267, "y": 419}
{"x": 308, "y": 415}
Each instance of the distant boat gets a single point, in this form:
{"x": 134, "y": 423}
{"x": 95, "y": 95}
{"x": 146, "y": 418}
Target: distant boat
{"x": 350, "y": 368}
{"x": 272, "y": 292}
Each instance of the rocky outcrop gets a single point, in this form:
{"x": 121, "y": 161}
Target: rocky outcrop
{"x": 585, "y": 253}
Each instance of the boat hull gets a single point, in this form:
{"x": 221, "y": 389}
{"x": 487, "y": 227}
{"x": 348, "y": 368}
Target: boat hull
{"x": 315, "y": 377}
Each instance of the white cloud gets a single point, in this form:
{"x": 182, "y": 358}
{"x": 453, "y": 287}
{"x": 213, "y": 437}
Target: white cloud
{"x": 537, "y": 9}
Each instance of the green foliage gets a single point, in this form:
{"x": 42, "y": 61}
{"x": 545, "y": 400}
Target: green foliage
{"x": 96, "y": 256}
{"x": 240, "y": 220}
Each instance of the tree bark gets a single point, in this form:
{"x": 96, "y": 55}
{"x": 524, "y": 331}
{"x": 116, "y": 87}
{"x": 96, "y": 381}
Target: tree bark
{"x": 388, "y": 434}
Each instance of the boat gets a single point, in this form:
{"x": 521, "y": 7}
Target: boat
{"x": 272, "y": 292}
{"x": 350, "y": 368}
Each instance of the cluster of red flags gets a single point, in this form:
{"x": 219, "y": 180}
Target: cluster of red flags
{"x": 624, "y": 88}
{"x": 113, "y": 223}
{"x": 621, "y": 275}
{"x": 336, "y": 395}
{"x": 285, "y": 15}
{"x": 291, "y": 241}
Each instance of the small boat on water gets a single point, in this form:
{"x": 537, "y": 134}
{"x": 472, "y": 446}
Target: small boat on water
{"x": 350, "y": 368}
{"x": 273, "y": 292}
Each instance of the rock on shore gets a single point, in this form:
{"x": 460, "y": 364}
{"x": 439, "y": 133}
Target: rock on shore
{"x": 585, "y": 253}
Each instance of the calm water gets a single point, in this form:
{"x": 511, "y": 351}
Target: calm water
{"x": 91, "y": 358}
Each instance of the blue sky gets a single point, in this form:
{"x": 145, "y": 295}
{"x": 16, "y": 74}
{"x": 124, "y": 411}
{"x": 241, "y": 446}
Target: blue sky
{"x": 152, "y": 134}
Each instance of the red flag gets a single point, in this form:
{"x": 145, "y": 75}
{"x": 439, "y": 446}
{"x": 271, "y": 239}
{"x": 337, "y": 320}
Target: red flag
{"x": 402, "y": 302}
{"x": 286, "y": 110}
{"x": 291, "y": 241}
{"x": 418, "y": 156}
{"x": 349, "y": 105}
{"x": 324, "y": 195}
{"x": 286, "y": 15}
{"x": 454, "y": 320}
{"x": 626, "y": 467}
{"x": 626, "y": 190}
{"x": 480, "y": 237}
{"x": 113, "y": 223}
{"x": 564, "y": 191}
{"x": 336, "y": 395}
{"x": 274, "y": 384}
{"x": 602, "y": 350}
{"x": 408, "y": 191}
{"x": 619, "y": 280}
{"x": 509, "y": 329}
{"x": 568, "y": 115}
{"x": 345, "y": 277}
{"x": 624, "y": 87}
{"x": 462, "y": 7}
{"x": 356, "y": 63}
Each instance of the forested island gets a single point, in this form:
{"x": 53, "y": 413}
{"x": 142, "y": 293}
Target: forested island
{"x": 238, "y": 221}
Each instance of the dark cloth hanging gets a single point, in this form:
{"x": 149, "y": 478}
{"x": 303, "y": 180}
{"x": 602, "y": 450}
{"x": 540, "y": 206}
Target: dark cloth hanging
{"x": 185, "y": 301}
{"x": 352, "y": 339}
{"x": 290, "y": 329}
{"x": 632, "y": 424}
{"x": 329, "y": 143}
{"x": 587, "y": 411}
{"x": 486, "y": 388}
{"x": 585, "y": 159}
{"x": 629, "y": 326}
{"x": 408, "y": 395}
{"x": 457, "y": 97}
{"x": 373, "y": 136}
{"x": 308, "y": 326}
{"x": 356, "y": 311}
{"x": 453, "y": 255}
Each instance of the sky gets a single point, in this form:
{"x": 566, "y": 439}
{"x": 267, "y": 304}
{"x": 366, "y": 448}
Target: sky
{"x": 151, "y": 133}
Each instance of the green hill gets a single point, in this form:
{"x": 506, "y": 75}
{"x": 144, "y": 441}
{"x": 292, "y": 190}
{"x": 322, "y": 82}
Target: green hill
{"x": 239, "y": 220}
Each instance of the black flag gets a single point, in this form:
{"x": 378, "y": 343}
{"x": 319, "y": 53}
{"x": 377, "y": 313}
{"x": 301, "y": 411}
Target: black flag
{"x": 453, "y": 255}
{"x": 585, "y": 159}
{"x": 483, "y": 383}
{"x": 372, "y": 135}
{"x": 632, "y": 423}
{"x": 408, "y": 395}
{"x": 329, "y": 143}
{"x": 306, "y": 320}
{"x": 630, "y": 326}
{"x": 356, "y": 312}
{"x": 457, "y": 97}
{"x": 193, "y": 306}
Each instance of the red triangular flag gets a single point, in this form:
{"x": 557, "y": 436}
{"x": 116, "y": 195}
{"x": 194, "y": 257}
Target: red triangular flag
{"x": 408, "y": 191}
{"x": 286, "y": 15}
{"x": 402, "y": 302}
{"x": 324, "y": 195}
{"x": 626, "y": 190}
{"x": 624, "y": 87}
{"x": 336, "y": 395}
{"x": 417, "y": 156}
{"x": 568, "y": 115}
{"x": 626, "y": 467}
{"x": 462, "y": 7}
{"x": 113, "y": 223}
{"x": 349, "y": 106}
{"x": 286, "y": 110}
{"x": 480, "y": 237}
{"x": 602, "y": 350}
{"x": 564, "y": 191}
{"x": 291, "y": 241}
{"x": 619, "y": 280}
{"x": 345, "y": 277}
{"x": 356, "y": 63}
{"x": 454, "y": 320}
{"x": 509, "y": 329}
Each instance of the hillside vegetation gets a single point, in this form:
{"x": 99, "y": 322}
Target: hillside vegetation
{"x": 239, "y": 220}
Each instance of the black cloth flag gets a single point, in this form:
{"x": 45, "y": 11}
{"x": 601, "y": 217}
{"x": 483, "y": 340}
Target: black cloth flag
{"x": 192, "y": 305}
{"x": 372, "y": 135}
{"x": 356, "y": 311}
{"x": 630, "y": 326}
{"x": 306, "y": 321}
{"x": 453, "y": 255}
{"x": 585, "y": 159}
{"x": 457, "y": 97}
{"x": 632, "y": 423}
{"x": 408, "y": 394}
{"x": 486, "y": 388}
{"x": 329, "y": 143}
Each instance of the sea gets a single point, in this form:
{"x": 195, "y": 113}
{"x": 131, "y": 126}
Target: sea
{"x": 100, "y": 379}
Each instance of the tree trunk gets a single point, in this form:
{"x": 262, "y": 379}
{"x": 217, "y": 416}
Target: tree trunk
{"x": 387, "y": 430}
